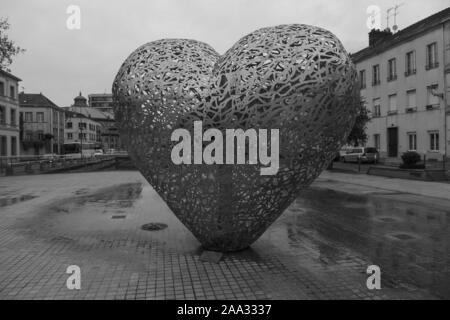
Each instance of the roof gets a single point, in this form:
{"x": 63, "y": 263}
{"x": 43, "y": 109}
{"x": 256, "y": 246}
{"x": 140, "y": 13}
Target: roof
{"x": 36, "y": 100}
{"x": 72, "y": 114}
{"x": 9, "y": 75}
{"x": 407, "y": 34}
{"x": 92, "y": 113}
{"x": 100, "y": 95}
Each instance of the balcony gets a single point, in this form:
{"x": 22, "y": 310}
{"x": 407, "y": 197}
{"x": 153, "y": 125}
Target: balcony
{"x": 432, "y": 65}
{"x": 8, "y": 126}
{"x": 9, "y": 99}
{"x": 375, "y": 83}
{"x": 410, "y": 72}
{"x": 376, "y": 115}
{"x": 392, "y": 77}
{"x": 392, "y": 112}
{"x": 432, "y": 107}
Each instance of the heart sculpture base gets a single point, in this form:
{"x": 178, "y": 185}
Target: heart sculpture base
{"x": 297, "y": 79}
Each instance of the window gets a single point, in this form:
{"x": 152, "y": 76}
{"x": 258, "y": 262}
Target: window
{"x": 13, "y": 118}
{"x": 12, "y": 92}
{"x": 434, "y": 141}
{"x": 375, "y": 75}
{"x": 432, "y": 56}
{"x": 82, "y": 136}
{"x": 13, "y": 146}
{"x": 432, "y": 98}
{"x": 412, "y": 141}
{"x": 411, "y": 98}
{"x": 3, "y": 146}
{"x": 2, "y": 88}
{"x": 376, "y": 107}
{"x": 392, "y": 70}
{"x": 376, "y": 141}
{"x": 39, "y": 117}
{"x": 362, "y": 79}
{"x": 40, "y": 135}
{"x": 70, "y": 136}
{"x": 392, "y": 104}
{"x": 82, "y": 125}
{"x": 69, "y": 125}
{"x": 2, "y": 115}
{"x": 410, "y": 63}
{"x": 28, "y": 136}
{"x": 28, "y": 116}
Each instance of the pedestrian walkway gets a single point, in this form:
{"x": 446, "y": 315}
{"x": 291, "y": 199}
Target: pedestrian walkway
{"x": 319, "y": 248}
{"x": 423, "y": 188}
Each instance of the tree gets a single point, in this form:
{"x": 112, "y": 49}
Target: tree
{"x": 358, "y": 135}
{"x": 8, "y": 49}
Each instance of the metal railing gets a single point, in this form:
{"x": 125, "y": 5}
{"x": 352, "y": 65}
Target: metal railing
{"x": 45, "y": 163}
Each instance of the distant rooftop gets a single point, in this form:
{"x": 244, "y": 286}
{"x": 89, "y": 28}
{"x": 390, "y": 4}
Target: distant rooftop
{"x": 407, "y": 34}
{"x": 36, "y": 100}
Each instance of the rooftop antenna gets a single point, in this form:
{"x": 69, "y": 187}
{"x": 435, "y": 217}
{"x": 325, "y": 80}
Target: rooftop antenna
{"x": 388, "y": 14}
{"x": 395, "y": 27}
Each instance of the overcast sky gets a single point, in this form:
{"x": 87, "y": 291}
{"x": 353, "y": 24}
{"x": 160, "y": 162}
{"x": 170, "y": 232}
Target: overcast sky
{"x": 60, "y": 62}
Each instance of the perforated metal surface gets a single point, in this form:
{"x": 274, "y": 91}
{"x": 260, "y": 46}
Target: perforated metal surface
{"x": 295, "y": 78}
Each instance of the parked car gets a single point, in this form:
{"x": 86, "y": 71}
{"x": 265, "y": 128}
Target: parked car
{"x": 111, "y": 151}
{"x": 340, "y": 154}
{"x": 98, "y": 152}
{"x": 49, "y": 157}
{"x": 365, "y": 154}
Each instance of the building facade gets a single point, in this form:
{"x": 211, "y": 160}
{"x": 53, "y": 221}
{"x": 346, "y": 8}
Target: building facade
{"x": 82, "y": 129}
{"x": 9, "y": 115}
{"x": 109, "y": 134}
{"x": 101, "y": 101}
{"x": 405, "y": 79}
{"x": 41, "y": 125}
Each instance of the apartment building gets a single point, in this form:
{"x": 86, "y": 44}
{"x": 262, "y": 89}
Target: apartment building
{"x": 99, "y": 110}
{"x": 9, "y": 115}
{"x": 405, "y": 83}
{"x": 41, "y": 125}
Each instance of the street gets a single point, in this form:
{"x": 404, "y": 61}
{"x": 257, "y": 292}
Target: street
{"x": 319, "y": 248}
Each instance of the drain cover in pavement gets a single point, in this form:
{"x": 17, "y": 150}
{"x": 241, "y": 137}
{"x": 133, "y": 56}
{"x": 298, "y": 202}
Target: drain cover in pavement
{"x": 403, "y": 236}
{"x": 119, "y": 217}
{"x": 155, "y": 226}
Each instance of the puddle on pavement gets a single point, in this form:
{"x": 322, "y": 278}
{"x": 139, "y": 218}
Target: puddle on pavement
{"x": 8, "y": 201}
{"x": 329, "y": 227}
{"x": 389, "y": 231}
{"x": 95, "y": 210}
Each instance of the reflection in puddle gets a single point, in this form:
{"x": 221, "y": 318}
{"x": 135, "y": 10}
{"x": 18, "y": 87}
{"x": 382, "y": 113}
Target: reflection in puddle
{"x": 13, "y": 200}
{"x": 409, "y": 241}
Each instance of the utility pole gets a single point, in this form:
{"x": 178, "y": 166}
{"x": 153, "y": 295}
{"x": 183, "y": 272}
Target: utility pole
{"x": 81, "y": 138}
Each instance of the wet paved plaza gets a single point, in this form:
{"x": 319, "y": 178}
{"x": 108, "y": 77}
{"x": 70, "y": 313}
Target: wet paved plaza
{"x": 319, "y": 248}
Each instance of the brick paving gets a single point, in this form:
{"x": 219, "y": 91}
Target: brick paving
{"x": 93, "y": 220}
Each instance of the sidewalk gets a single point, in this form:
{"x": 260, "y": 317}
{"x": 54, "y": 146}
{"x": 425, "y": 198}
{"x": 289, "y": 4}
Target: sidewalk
{"x": 319, "y": 248}
{"x": 423, "y": 188}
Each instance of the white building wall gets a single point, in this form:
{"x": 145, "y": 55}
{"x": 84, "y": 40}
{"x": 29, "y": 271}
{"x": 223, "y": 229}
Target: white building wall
{"x": 9, "y": 104}
{"x": 421, "y": 121}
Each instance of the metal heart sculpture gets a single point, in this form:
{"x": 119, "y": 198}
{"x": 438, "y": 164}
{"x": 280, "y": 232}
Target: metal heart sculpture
{"x": 295, "y": 78}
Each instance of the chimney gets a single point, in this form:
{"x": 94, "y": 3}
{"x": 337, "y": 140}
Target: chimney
{"x": 376, "y": 36}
